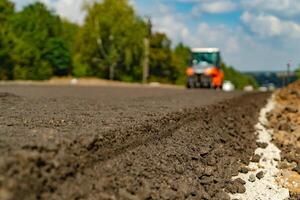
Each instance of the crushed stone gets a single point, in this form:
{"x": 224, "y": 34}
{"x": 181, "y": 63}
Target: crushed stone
{"x": 265, "y": 188}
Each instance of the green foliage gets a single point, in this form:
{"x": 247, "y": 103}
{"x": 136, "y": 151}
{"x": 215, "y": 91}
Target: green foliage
{"x": 110, "y": 44}
{"x": 6, "y": 64}
{"x": 161, "y": 58}
{"x": 33, "y": 43}
{"x": 36, "y": 25}
{"x": 36, "y": 44}
{"x": 237, "y": 78}
{"x": 58, "y": 56}
{"x": 297, "y": 71}
{"x": 6, "y": 10}
{"x": 69, "y": 34}
{"x": 20, "y": 73}
{"x": 80, "y": 69}
{"x": 44, "y": 71}
{"x": 28, "y": 63}
{"x": 180, "y": 59}
{"x": 39, "y": 44}
{"x": 23, "y": 54}
{"x": 112, "y": 39}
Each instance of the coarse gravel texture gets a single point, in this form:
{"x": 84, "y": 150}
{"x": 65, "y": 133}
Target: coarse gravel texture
{"x": 62, "y": 142}
{"x": 285, "y": 121}
{"x": 261, "y": 178}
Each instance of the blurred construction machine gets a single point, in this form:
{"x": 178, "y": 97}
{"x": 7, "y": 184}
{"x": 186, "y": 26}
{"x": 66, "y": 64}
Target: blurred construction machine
{"x": 205, "y": 69}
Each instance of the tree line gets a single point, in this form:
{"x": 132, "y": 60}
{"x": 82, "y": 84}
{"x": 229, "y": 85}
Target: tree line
{"x": 36, "y": 44}
{"x": 238, "y": 79}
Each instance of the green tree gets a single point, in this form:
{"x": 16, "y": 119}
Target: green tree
{"x": 58, "y": 55}
{"x": 6, "y": 64}
{"x": 180, "y": 60}
{"x": 35, "y": 24}
{"x": 69, "y": 36}
{"x": 237, "y": 78}
{"x": 111, "y": 41}
{"x": 161, "y": 68}
{"x": 297, "y": 71}
{"x": 7, "y": 8}
{"x": 69, "y": 33}
{"x": 39, "y": 48}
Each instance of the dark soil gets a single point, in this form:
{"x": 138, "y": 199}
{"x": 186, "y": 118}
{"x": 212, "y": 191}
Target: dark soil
{"x": 124, "y": 143}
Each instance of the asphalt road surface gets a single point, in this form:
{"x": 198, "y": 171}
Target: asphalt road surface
{"x": 72, "y": 142}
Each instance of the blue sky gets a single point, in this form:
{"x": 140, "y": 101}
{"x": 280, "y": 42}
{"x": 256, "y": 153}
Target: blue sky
{"x": 252, "y": 34}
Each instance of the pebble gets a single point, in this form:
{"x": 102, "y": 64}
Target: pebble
{"x": 252, "y": 178}
{"x": 241, "y": 189}
{"x": 235, "y": 187}
{"x": 262, "y": 145}
{"x": 284, "y": 126}
{"x": 294, "y": 92}
{"x": 208, "y": 171}
{"x": 297, "y": 169}
{"x": 260, "y": 175}
{"x": 255, "y": 158}
{"x": 231, "y": 188}
{"x": 221, "y": 196}
{"x": 291, "y": 109}
{"x": 244, "y": 170}
{"x": 241, "y": 181}
{"x": 179, "y": 169}
{"x": 283, "y": 165}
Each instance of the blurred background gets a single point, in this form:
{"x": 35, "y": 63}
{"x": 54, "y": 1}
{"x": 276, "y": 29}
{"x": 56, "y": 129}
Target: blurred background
{"x": 150, "y": 40}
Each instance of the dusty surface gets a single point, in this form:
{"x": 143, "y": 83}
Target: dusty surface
{"x": 123, "y": 143}
{"x": 285, "y": 120}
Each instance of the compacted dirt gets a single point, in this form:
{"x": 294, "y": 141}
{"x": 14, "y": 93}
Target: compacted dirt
{"x": 64, "y": 142}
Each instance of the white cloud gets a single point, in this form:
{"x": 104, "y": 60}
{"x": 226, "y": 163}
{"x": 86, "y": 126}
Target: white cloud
{"x": 215, "y": 36}
{"x": 165, "y": 20}
{"x": 70, "y": 9}
{"x": 270, "y": 26}
{"x": 21, "y": 3}
{"x": 230, "y": 41}
{"x": 217, "y": 6}
{"x": 271, "y": 21}
{"x": 172, "y": 27}
{"x": 244, "y": 52}
{"x": 278, "y": 7}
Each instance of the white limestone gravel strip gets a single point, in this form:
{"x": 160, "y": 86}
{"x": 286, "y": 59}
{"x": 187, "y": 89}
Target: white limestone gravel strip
{"x": 265, "y": 188}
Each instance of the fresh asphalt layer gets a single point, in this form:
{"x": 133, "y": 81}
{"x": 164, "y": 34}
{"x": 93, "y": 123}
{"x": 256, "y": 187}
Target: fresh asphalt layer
{"x": 84, "y": 142}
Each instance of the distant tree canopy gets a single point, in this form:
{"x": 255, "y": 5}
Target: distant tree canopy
{"x": 297, "y": 71}
{"x": 180, "y": 60}
{"x": 32, "y": 46}
{"x": 161, "y": 68}
{"x": 37, "y": 44}
{"x": 237, "y": 78}
{"x": 6, "y": 64}
{"x": 7, "y": 8}
{"x": 111, "y": 43}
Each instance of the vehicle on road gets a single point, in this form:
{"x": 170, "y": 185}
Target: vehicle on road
{"x": 205, "y": 69}
{"x": 248, "y": 88}
{"x": 267, "y": 87}
{"x": 228, "y": 86}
